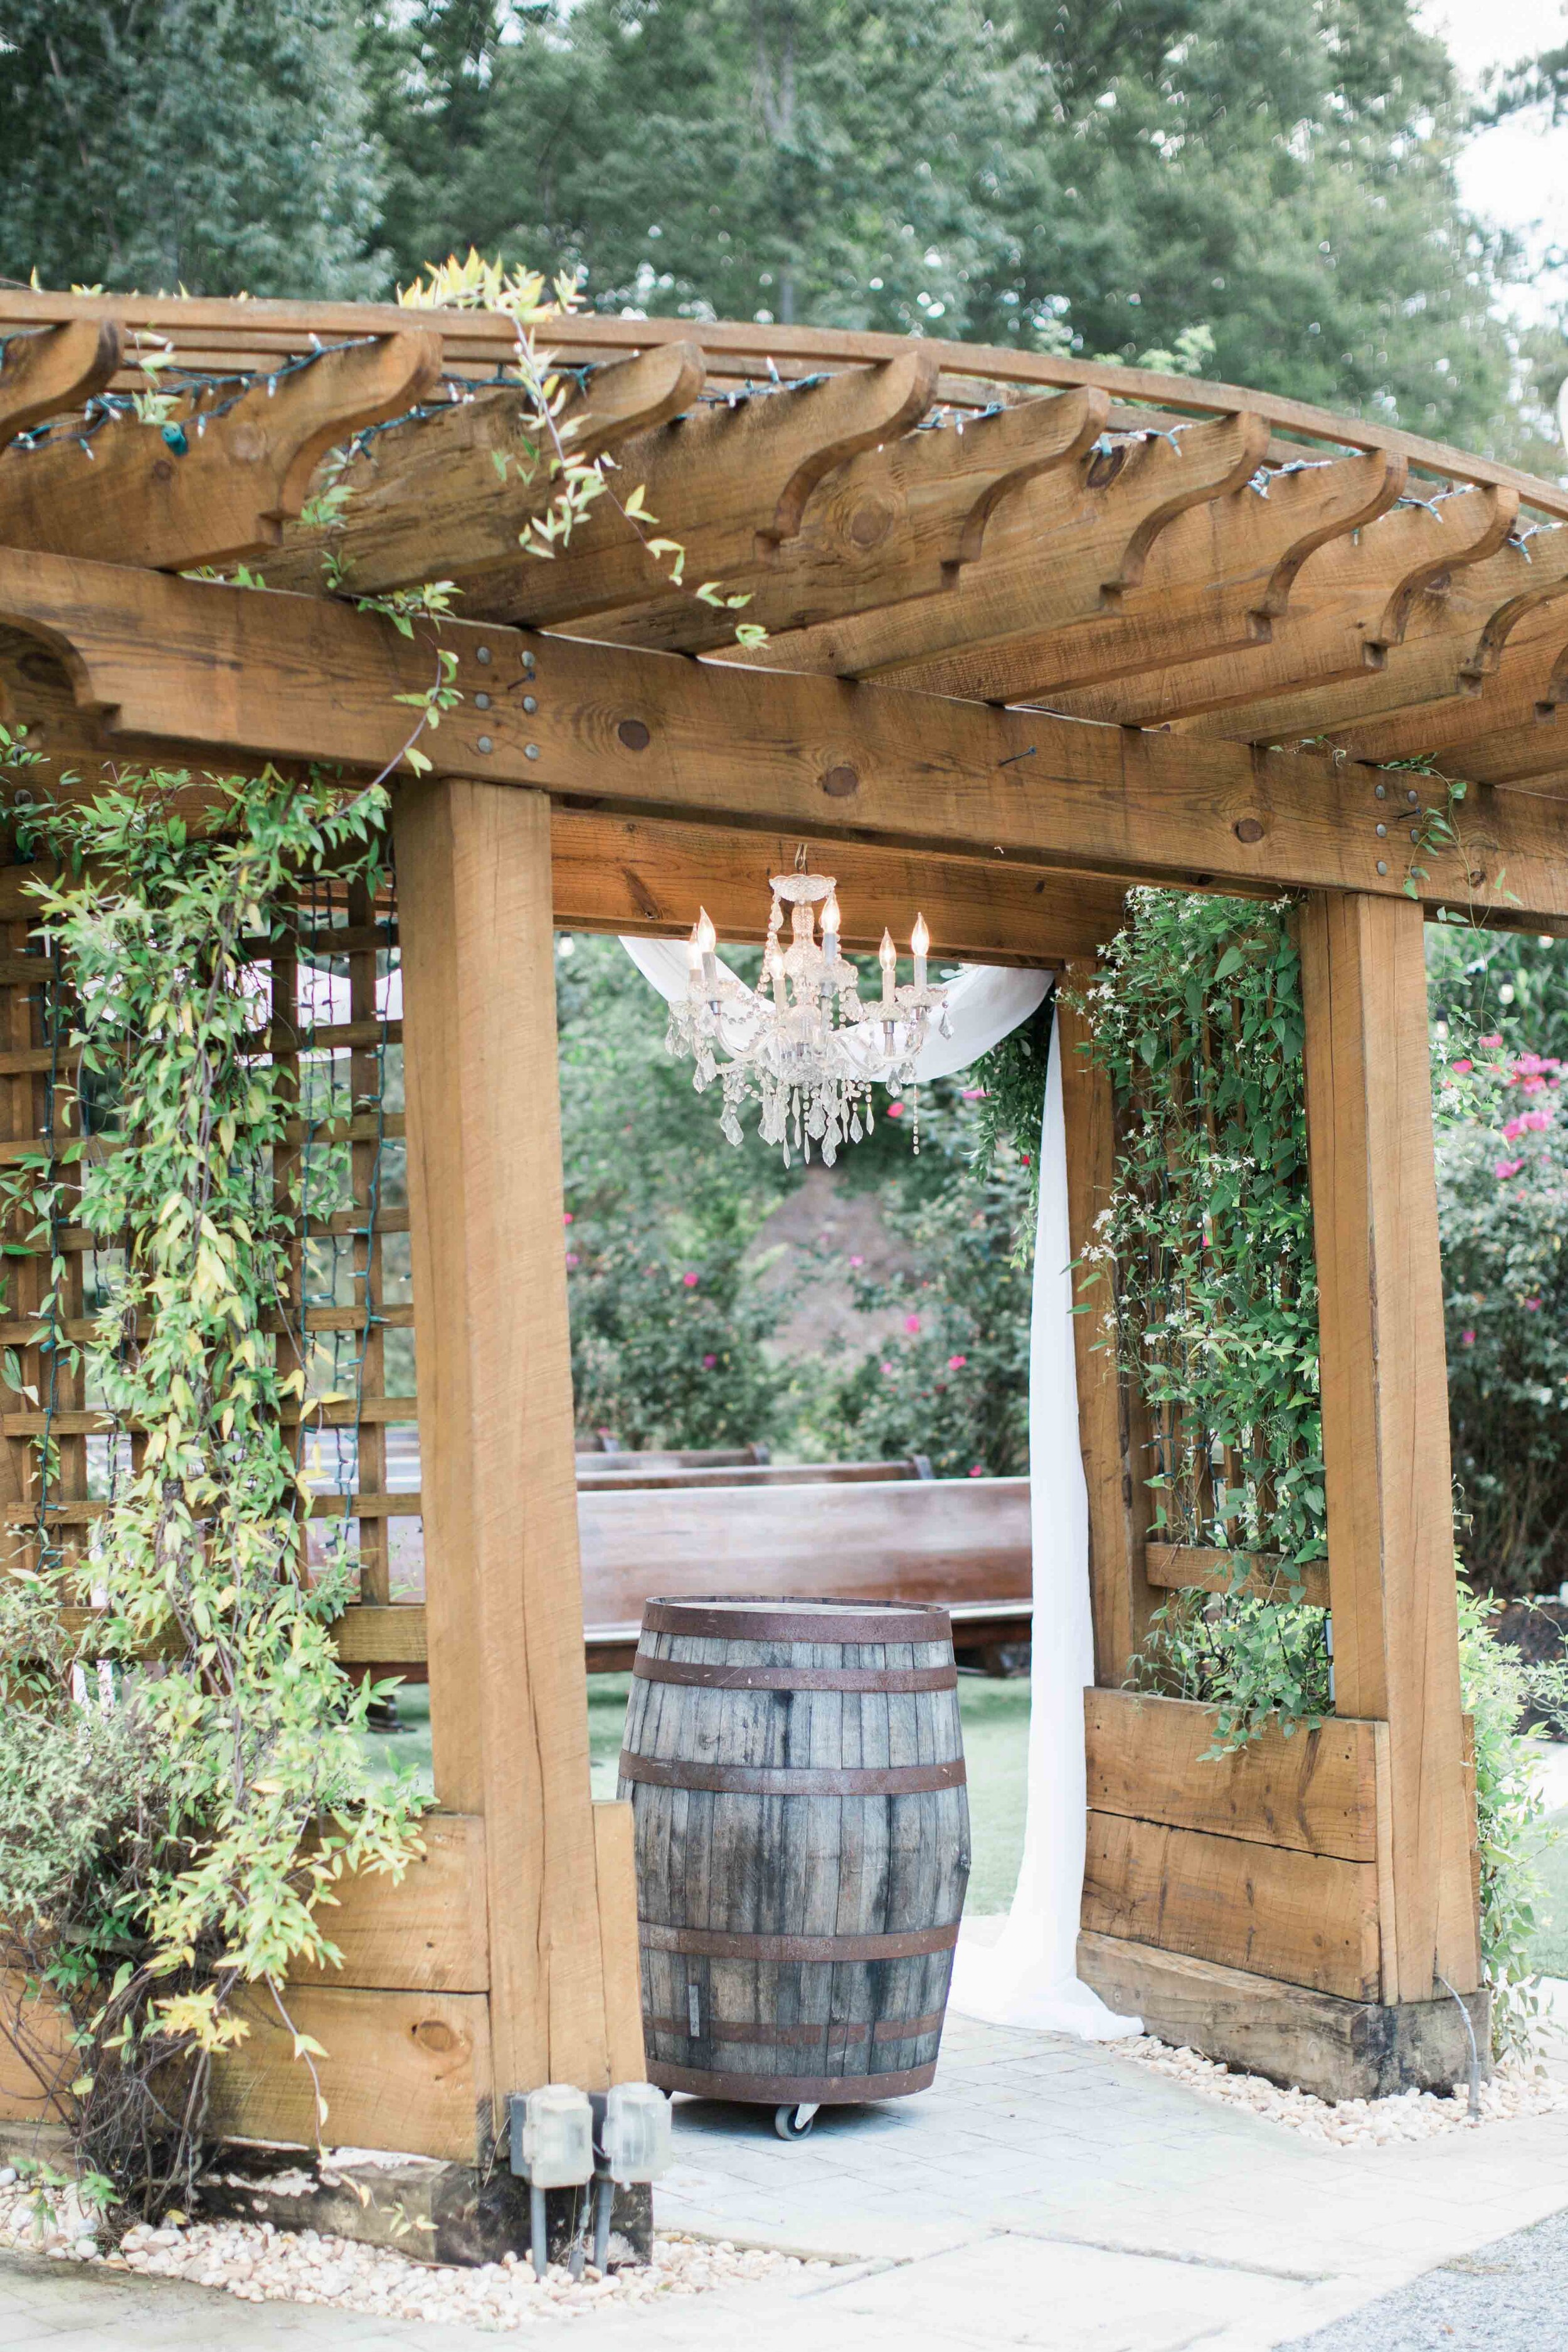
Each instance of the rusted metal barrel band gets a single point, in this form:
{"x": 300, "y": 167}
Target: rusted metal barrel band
{"x": 731, "y": 1617}
{"x": 778, "y": 2090}
{"x": 791, "y": 1780}
{"x": 723, "y": 1944}
{"x": 794, "y": 1678}
{"x": 887, "y": 2029}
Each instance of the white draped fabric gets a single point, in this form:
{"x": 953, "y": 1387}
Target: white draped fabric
{"x": 982, "y": 1004}
{"x": 1030, "y": 1978}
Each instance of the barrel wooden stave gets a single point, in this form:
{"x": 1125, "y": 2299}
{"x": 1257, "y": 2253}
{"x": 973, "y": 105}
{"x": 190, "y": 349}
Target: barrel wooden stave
{"x": 820, "y": 1864}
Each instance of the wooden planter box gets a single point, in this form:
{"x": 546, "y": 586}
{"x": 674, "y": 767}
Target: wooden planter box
{"x": 1244, "y": 1905}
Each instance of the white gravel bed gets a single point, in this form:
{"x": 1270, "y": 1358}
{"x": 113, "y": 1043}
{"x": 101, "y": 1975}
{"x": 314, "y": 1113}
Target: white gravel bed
{"x": 260, "y": 2263}
{"x": 1513, "y": 2091}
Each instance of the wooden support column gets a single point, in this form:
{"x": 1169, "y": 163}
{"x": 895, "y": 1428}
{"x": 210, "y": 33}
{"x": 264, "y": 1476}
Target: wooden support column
{"x": 508, "y": 1693}
{"x": 1112, "y": 1429}
{"x": 1385, "y": 1416}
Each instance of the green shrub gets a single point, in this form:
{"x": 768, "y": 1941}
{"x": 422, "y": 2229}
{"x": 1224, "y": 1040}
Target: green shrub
{"x": 1502, "y": 1195}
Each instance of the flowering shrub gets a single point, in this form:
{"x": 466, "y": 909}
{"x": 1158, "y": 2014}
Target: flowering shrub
{"x": 668, "y": 1328}
{"x": 954, "y": 1384}
{"x": 1502, "y": 1192}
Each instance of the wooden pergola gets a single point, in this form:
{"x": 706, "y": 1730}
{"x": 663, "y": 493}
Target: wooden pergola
{"x": 1038, "y": 630}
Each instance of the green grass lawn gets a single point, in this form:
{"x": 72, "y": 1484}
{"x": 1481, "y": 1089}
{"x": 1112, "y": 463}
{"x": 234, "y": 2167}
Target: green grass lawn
{"x": 996, "y": 1741}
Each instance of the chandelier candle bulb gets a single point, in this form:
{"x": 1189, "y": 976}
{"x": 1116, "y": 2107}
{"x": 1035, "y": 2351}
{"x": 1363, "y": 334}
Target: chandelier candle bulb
{"x": 920, "y": 948}
{"x": 707, "y": 945}
{"x": 887, "y": 956}
{"x": 830, "y": 921}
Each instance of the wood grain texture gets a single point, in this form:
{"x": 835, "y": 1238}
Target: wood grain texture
{"x": 1059, "y": 550}
{"x": 1308, "y": 1919}
{"x": 409, "y": 2071}
{"x": 425, "y": 1932}
{"x": 504, "y": 1599}
{"x": 1352, "y": 599}
{"x": 36, "y": 2055}
{"x": 647, "y": 876}
{"x": 1218, "y": 576}
{"x": 718, "y": 1870}
{"x": 428, "y": 498}
{"x": 254, "y": 333}
{"x": 1335, "y": 2049}
{"x": 1182, "y": 1568}
{"x": 719, "y": 481}
{"x": 1111, "y": 1435}
{"x": 895, "y": 523}
{"x": 919, "y": 1539}
{"x": 136, "y": 500}
{"x": 614, "y": 1850}
{"x": 1314, "y": 1792}
{"x": 50, "y": 370}
{"x": 1385, "y": 1415}
{"x": 811, "y": 756}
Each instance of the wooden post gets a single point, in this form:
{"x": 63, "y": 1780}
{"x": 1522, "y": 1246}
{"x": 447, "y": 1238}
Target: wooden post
{"x": 1385, "y": 1415}
{"x": 508, "y": 1693}
{"x": 1111, "y": 1429}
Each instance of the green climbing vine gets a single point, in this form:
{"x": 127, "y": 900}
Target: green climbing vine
{"x": 181, "y": 1779}
{"x": 1202, "y": 1278}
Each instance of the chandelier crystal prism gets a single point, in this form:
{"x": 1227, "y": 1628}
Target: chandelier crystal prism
{"x": 802, "y": 1044}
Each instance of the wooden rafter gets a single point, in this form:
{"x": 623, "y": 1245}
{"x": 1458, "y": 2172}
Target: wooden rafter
{"x": 1352, "y": 599}
{"x": 448, "y": 495}
{"x": 1067, "y": 546}
{"x": 726, "y": 482}
{"x": 44, "y": 370}
{"x": 1218, "y": 577}
{"x": 214, "y": 333}
{"x": 895, "y": 523}
{"x": 207, "y": 488}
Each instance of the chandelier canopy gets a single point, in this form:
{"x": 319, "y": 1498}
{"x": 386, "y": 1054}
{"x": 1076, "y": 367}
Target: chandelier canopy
{"x": 802, "y": 1043}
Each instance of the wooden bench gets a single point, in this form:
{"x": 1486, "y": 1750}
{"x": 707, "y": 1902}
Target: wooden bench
{"x": 847, "y": 1530}
{"x": 964, "y": 1542}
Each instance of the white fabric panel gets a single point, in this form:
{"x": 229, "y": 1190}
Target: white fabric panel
{"x": 982, "y": 1004}
{"x": 1030, "y": 1977}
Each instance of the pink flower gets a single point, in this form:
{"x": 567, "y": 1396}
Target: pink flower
{"x": 1467, "y": 1339}
{"x": 567, "y": 1218}
{"x": 1461, "y": 1067}
{"x": 1514, "y": 1130}
{"x": 973, "y": 1093}
{"x": 690, "y": 1280}
{"x": 573, "y": 1258}
{"x": 1024, "y": 1158}
{"x": 1535, "y": 1120}
{"x": 709, "y": 1362}
{"x": 956, "y": 1363}
{"x": 895, "y": 1111}
{"x": 911, "y": 1323}
{"x": 1532, "y": 1306}
{"x": 887, "y": 1369}
{"x": 978, "y": 1471}
{"x": 856, "y": 1261}
{"x": 1506, "y": 1168}
{"x": 1488, "y": 1041}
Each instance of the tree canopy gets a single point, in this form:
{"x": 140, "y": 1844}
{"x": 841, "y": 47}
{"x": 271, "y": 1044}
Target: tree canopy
{"x": 1265, "y": 193}
{"x": 209, "y": 144}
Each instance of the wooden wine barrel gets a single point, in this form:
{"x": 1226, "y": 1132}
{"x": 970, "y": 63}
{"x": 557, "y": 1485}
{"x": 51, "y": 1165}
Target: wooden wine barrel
{"x": 796, "y": 1772}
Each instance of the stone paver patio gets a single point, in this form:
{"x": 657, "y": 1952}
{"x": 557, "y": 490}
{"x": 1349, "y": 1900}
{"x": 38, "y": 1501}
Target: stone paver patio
{"x": 1045, "y": 2193}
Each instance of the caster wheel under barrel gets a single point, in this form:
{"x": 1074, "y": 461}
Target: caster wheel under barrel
{"x": 795, "y": 2122}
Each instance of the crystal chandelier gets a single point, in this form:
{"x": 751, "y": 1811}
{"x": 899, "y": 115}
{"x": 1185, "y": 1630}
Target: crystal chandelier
{"x": 802, "y": 1044}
